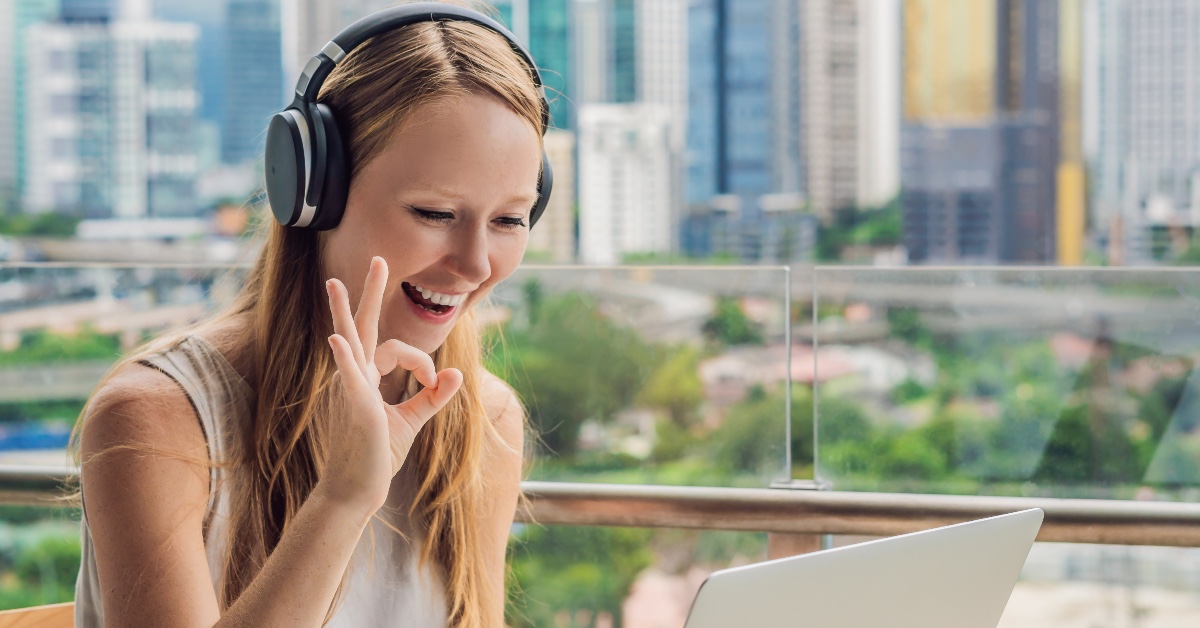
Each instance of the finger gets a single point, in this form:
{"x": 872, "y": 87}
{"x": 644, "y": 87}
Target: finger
{"x": 422, "y": 406}
{"x": 394, "y": 353}
{"x": 343, "y": 320}
{"x": 343, "y": 355}
{"x": 366, "y": 317}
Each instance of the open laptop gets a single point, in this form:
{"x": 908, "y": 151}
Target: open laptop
{"x": 959, "y": 576}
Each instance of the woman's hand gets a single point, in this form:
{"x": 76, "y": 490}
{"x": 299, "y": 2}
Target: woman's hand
{"x": 369, "y": 444}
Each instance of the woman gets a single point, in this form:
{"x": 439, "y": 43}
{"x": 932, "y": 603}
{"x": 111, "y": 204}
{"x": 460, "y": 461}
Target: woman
{"x": 273, "y": 466}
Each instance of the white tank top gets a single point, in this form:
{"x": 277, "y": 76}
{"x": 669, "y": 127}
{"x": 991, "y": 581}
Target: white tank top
{"x": 385, "y": 586}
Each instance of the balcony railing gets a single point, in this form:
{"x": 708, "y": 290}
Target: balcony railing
{"x": 1110, "y": 522}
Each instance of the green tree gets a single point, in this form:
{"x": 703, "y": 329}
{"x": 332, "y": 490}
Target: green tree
{"x": 565, "y": 570}
{"x": 675, "y": 387}
{"x": 574, "y": 365}
{"x": 729, "y": 325}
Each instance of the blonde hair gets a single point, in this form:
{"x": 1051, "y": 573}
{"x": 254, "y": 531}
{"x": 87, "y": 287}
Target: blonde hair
{"x": 280, "y": 456}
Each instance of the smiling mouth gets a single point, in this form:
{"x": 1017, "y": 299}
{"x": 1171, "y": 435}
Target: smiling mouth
{"x": 420, "y": 300}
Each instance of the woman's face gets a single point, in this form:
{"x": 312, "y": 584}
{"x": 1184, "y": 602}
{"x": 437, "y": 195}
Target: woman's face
{"x": 446, "y": 204}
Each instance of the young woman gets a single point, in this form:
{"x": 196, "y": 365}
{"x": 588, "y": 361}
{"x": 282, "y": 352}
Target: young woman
{"x": 329, "y": 449}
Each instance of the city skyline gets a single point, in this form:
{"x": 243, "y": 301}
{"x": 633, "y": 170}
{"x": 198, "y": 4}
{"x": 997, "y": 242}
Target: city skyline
{"x": 830, "y": 104}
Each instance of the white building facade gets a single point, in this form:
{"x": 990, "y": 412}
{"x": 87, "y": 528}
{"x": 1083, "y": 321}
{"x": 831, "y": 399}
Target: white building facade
{"x": 111, "y": 115}
{"x": 625, "y": 191}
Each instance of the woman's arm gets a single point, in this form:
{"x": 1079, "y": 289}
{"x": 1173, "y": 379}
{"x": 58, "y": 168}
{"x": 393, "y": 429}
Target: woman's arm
{"x": 504, "y": 470}
{"x": 146, "y": 513}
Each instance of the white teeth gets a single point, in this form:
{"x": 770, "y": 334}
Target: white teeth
{"x": 441, "y": 298}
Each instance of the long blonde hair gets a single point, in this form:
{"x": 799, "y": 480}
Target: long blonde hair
{"x": 280, "y": 456}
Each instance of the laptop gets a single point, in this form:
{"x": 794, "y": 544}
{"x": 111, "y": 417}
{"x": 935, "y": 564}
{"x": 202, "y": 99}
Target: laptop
{"x": 959, "y": 576}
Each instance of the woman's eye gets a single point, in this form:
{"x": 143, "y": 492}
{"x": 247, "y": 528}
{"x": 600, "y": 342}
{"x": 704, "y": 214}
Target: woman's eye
{"x": 511, "y": 222}
{"x": 432, "y": 216}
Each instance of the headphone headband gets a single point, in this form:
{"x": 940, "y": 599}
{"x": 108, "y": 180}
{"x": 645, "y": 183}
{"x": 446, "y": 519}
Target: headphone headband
{"x": 307, "y": 172}
{"x": 308, "y": 87}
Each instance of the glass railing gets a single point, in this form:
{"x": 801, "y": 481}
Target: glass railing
{"x": 969, "y": 381}
{"x": 1038, "y": 382}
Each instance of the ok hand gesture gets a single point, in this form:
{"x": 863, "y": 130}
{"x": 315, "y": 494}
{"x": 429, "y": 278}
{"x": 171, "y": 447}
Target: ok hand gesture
{"x": 370, "y": 443}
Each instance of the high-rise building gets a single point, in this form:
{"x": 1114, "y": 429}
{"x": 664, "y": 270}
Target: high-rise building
{"x": 8, "y": 128}
{"x": 829, "y": 51}
{"x": 87, "y": 11}
{"x": 661, "y": 70}
{"x": 1164, "y": 98}
{"x": 550, "y": 44}
{"x": 68, "y": 126}
{"x": 111, "y": 119}
{"x": 253, "y": 77}
{"x": 1140, "y": 92}
{"x": 878, "y": 101}
{"x": 729, "y": 135}
{"x": 604, "y": 50}
{"x": 154, "y": 119}
{"x": 981, "y": 74}
{"x": 553, "y": 239}
{"x": 624, "y": 181}
{"x": 15, "y": 17}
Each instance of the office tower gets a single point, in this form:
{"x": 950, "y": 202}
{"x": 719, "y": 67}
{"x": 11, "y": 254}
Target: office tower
{"x": 829, "y": 47}
{"x": 1164, "y": 98}
{"x": 980, "y": 141}
{"x": 15, "y": 17}
{"x": 253, "y": 77}
{"x": 550, "y": 44}
{"x": 553, "y": 239}
{"x": 111, "y": 119}
{"x": 8, "y": 128}
{"x": 624, "y": 181}
{"x": 661, "y": 71}
{"x": 878, "y": 102}
{"x": 1071, "y": 181}
{"x": 87, "y": 11}
{"x": 154, "y": 119}
{"x": 68, "y": 126}
{"x": 1142, "y": 139}
{"x": 1105, "y": 109}
{"x": 604, "y": 49}
{"x": 729, "y": 135}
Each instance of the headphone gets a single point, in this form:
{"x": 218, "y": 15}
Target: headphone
{"x": 307, "y": 168}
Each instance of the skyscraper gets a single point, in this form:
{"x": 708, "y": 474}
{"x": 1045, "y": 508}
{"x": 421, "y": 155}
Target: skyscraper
{"x": 604, "y": 51}
{"x": 68, "y": 129}
{"x": 153, "y": 109}
{"x": 550, "y": 44}
{"x": 111, "y": 119}
{"x": 878, "y": 101}
{"x": 980, "y": 143}
{"x": 87, "y": 11}
{"x": 624, "y": 181}
{"x": 829, "y": 51}
{"x": 253, "y": 77}
{"x": 15, "y": 17}
{"x": 553, "y": 239}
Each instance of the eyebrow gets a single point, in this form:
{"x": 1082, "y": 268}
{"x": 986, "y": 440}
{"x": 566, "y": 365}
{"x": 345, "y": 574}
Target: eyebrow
{"x": 455, "y": 195}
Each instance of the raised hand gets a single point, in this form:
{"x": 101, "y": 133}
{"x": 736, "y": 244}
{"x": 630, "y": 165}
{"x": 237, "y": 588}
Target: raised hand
{"x": 371, "y": 441}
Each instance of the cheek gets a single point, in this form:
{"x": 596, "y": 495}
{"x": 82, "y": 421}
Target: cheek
{"x": 506, "y": 256}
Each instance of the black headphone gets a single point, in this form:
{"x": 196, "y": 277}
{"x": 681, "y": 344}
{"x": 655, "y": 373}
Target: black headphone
{"x": 306, "y": 165}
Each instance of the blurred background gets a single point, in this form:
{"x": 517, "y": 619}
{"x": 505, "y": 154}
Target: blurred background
{"x": 902, "y": 246}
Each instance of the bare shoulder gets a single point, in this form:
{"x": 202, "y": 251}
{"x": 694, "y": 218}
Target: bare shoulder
{"x": 140, "y": 405}
{"x": 145, "y": 483}
{"x": 504, "y": 408}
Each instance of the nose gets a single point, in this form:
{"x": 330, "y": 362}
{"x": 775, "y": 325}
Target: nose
{"x": 469, "y": 257}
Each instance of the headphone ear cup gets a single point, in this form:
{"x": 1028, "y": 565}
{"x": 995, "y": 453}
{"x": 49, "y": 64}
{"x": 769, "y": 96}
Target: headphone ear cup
{"x": 286, "y": 165}
{"x": 545, "y": 186}
{"x": 335, "y": 182}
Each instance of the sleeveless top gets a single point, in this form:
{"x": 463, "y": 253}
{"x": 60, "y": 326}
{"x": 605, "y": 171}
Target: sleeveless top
{"x": 385, "y": 587}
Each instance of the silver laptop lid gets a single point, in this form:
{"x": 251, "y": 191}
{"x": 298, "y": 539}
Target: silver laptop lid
{"x": 959, "y": 576}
